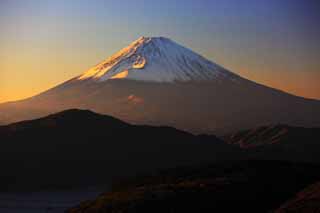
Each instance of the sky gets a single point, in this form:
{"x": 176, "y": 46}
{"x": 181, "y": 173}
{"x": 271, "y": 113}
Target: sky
{"x": 46, "y": 42}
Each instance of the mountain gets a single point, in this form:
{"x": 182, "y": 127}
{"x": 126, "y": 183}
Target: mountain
{"x": 77, "y": 148}
{"x": 244, "y": 186}
{"x": 276, "y": 134}
{"x": 156, "y": 59}
{"x": 156, "y": 81}
{"x": 279, "y": 142}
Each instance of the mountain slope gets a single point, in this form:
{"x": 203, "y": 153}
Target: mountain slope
{"x": 80, "y": 148}
{"x": 158, "y": 82}
{"x": 308, "y": 200}
{"x": 279, "y": 142}
{"x": 277, "y": 134}
{"x": 156, "y": 59}
{"x": 243, "y": 186}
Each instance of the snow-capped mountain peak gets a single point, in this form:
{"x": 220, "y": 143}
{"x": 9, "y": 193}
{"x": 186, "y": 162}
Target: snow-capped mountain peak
{"x": 156, "y": 59}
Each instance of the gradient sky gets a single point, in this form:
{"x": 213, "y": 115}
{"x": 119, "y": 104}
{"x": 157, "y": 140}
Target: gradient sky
{"x": 274, "y": 42}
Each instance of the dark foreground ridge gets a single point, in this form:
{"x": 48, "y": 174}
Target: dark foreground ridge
{"x": 244, "y": 186}
{"x": 79, "y": 147}
{"x": 75, "y": 148}
{"x": 308, "y": 200}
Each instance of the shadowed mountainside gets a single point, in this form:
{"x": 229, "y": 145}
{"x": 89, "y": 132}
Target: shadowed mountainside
{"x": 75, "y": 148}
{"x": 65, "y": 149}
{"x": 228, "y": 107}
{"x": 243, "y": 186}
{"x": 308, "y": 200}
{"x": 267, "y": 135}
{"x": 279, "y": 142}
{"x": 79, "y": 147}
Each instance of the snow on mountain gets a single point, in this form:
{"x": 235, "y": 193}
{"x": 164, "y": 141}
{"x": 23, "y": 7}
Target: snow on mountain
{"x": 156, "y": 59}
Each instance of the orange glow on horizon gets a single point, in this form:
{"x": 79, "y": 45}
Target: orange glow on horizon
{"x": 28, "y": 87}
{"x": 32, "y": 71}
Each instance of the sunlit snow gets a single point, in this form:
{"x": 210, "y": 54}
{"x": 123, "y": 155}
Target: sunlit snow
{"x": 156, "y": 59}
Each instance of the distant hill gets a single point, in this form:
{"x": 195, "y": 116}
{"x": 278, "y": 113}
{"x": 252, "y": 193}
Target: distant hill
{"x": 279, "y": 142}
{"x": 76, "y": 148}
{"x": 79, "y": 147}
{"x": 267, "y": 135}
